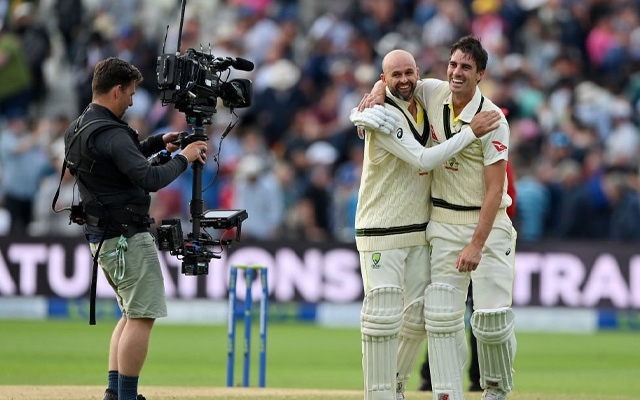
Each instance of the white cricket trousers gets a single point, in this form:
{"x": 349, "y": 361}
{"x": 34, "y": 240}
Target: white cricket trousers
{"x": 493, "y": 279}
{"x": 407, "y": 268}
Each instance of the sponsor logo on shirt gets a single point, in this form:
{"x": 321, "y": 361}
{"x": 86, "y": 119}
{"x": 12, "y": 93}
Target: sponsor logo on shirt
{"x": 433, "y": 134}
{"x": 499, "y": 146}
{"x": 399, "y": 133}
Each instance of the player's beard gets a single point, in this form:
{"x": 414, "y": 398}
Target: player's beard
{"x": 404, "y": 96}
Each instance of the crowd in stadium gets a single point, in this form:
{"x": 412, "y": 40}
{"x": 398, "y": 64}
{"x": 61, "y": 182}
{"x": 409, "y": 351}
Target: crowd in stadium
{"x": 565, "y": 72}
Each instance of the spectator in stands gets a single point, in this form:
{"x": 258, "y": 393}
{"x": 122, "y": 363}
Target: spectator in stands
{"x": 626, "y": 213}
{"x": 45, "y": 222}
{"x": 533, "y": 204}
{"x": 36, "y": 45}
{"x": 15, "y": 80}
{"x": 564, "y": 66}
{"x": 562, "y": 181}
{"x": 275, "y": 107}
{"x": 586, "y": 213}
{"x": 69, "y": 16}
{"x": 257, "y": 190}
{"x": 24, "y": 164}
{"x": 321, "y": 157}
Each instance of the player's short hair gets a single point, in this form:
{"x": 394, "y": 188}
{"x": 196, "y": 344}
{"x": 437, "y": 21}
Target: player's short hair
{"x": 471, "y": 46}
{"x": 112, "y": 72}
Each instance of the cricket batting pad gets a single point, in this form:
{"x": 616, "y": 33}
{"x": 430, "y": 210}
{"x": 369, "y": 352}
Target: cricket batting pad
{"x": 412, "y": 335}
{"x": 380, "y": 322}
{"x": 497, "y": 345}
{"x": 444, "y": 311}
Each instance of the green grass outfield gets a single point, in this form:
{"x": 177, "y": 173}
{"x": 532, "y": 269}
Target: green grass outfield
{"x": 603, "y": 366}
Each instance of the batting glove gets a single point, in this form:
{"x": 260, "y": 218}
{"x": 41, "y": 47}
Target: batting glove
{"x": 377, "y": 118}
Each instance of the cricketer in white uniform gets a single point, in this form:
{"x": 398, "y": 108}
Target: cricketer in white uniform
{"x": 391, "y": 218}
{"x": 471, "y": 237}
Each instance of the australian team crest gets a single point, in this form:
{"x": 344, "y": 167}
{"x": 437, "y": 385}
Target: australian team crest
{"x": 375, "y": 257}
{"x": 452, "y": 164}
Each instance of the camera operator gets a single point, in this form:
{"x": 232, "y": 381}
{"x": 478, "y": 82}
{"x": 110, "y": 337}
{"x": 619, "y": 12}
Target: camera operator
{"x": 114, "y": 179}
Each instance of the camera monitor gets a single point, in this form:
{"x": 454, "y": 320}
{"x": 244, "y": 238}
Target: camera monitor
{"x": 223, "y": 219}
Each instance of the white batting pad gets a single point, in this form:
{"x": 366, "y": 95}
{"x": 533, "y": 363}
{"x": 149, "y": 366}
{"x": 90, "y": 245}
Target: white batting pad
{"x": 444, "y": 319}
{"x": 380, "y": 323}
{"x": 412, "y": 335}
{"x": 497, "y": 345}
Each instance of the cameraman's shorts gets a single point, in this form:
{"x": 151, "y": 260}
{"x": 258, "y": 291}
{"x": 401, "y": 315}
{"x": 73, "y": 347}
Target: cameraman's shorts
{"x": 140, "y": 292}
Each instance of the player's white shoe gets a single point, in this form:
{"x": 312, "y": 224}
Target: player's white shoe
{"x": 400, "y": 390}
{"x": 493, "y": 394}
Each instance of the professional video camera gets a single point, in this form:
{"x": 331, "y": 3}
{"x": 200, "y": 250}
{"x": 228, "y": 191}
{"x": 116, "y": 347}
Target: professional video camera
{"x": 192, "y": 82}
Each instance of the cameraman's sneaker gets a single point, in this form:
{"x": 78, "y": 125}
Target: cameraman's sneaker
{"x": 140, "y": 397}
{"x": 109, "y": 395}
{"x": 493, "y": 394}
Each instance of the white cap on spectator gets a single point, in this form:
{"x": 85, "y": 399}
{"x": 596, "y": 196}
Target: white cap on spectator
{"x": 249, "y": 166}
{"x": 104, "y": 24}
{"x": 514, "y": 62}
{"x": 322, "y": 26}
{"x": 225, "y": 32}
{"x": 588, "y": 92}
{"x": 366, "y": 74}
{"x": 390, "y": 41}
{"x": 621, "y": 108}
{"x": 283, "y": 75}
{"x": 531, "y": 4}
{"x": 321, "y": 153}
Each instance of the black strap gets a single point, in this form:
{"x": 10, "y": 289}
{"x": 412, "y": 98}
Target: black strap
{"x": 75, "y": 136}
{"x": 446, "y": 118}
{"x": 396, "y": 230}
{"x": 130, "y": 215}
{"x": 94, "y": 282}
{"x": 421, "y": 138}
{"x": 444, "y": 204}
{"x": 55, "y": 196}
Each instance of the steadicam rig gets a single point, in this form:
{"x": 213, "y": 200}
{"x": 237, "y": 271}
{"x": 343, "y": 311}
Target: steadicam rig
{"x": 192, "y": 83}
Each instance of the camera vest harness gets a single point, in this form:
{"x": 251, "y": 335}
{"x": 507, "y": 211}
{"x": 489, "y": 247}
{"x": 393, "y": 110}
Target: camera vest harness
{"x": 82, "y": 164}
{"x": 78, "y": 159}
{"x": 127, "y": 219}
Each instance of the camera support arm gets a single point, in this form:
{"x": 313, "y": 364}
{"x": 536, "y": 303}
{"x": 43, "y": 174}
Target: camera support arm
{"x": 196, "y": 206}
